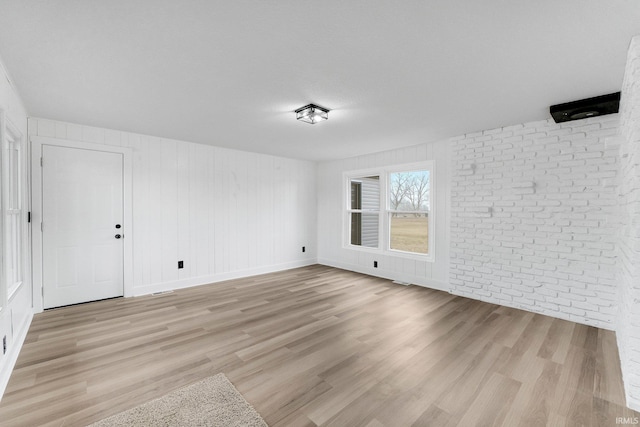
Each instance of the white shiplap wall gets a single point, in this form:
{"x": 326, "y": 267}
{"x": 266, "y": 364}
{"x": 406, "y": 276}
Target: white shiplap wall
{"x": 331, "y": 214}
{"x": 225, "y": 213}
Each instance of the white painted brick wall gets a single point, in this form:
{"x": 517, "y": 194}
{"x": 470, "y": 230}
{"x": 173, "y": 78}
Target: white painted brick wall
{"x": 628, "y": 192}
{"x": 531, "y": 218}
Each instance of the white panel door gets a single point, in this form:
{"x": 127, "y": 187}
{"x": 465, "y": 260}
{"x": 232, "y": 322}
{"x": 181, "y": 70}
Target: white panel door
{"x": 83, "y": 230}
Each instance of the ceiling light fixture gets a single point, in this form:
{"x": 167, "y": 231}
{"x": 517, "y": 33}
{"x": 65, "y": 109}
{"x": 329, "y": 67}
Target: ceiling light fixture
{"x": 312, "y": 114}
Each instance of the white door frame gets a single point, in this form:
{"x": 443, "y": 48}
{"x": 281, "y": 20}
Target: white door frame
{"x": 36, "y": 214}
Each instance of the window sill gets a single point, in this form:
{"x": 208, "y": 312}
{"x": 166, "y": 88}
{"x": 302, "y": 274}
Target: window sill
{"x": 13, "y": 291}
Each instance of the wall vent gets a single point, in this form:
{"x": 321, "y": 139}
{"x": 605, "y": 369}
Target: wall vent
{"x": 585, "y": 108}
{"x": 161, "y": 293}
{"x": 400, "y": 282}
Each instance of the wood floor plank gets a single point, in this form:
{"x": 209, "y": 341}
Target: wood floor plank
{"x": 433, "y": 416}
{"x": 606, "y": 386}
{"x": 319, "y": 346}
{"x": 490, "y": 406}
{"x": 539, "y": 405}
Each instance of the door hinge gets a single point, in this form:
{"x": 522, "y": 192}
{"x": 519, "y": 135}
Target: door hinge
{"x": 28, "y": 216}
{"x": 40, "y": 161}
{"x": 41, "y": 226}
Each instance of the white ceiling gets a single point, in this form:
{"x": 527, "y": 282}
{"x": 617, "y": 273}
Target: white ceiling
{"x": 230, "y": 73}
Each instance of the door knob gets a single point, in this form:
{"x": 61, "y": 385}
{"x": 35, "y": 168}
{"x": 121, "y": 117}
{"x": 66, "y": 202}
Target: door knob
{"x": 118, "y": 236}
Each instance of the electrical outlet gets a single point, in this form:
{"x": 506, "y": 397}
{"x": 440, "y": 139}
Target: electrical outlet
{"x": 180, "y": 264}
{"x": 4, "y": 344}
{"x": 375, "y": 264}
{"x": 303, "y": 249}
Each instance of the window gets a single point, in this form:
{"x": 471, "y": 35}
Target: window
{"x": 409, "y": 211}
{"x": 14, "y": 213}
{"x": 364, "y": 211}
{"x": 390, "y": 210}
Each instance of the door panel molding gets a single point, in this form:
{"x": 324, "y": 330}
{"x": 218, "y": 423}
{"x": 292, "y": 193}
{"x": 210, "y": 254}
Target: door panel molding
{"x": 37, "y": 143}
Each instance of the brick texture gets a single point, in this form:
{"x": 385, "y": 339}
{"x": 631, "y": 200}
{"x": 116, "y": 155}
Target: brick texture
{"x": 628, "y": 190}
{"x": 533, "y": 218}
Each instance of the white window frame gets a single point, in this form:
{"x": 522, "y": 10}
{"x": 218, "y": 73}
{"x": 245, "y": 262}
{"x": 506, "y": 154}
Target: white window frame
{"x": 384, "y": 224}
{"x": 3, "y": 281}
{"x": 363, "y": 211}
{"x": 15, "y": 230}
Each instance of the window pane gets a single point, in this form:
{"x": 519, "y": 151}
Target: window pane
{"x": 365, "y": 193}
{"x": 356, "y": 195}
{"x": 13, "y": 254}
{"x": 364, "y": 229}
{"x": 409, "y": 232}
{"x": 409, "y": 191}
{"x": 14, "y": 177}
{"x": 13, "y": 250}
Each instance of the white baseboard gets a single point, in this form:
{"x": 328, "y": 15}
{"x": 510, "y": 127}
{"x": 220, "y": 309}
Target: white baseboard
{"x": 205, "y": 280}
{"x": 539, "y": 310}
{"x": 630, "y": 401}
{"x": 385, "y": 274}
{"x": 633, "y": 404}
{"x": 12, "y": 355}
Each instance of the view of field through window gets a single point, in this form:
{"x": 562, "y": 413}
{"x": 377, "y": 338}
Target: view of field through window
{"x": 409, "y": 206}
{"x": 410, "y": 234}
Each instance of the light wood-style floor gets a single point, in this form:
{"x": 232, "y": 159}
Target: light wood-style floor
{"x": 319, "y": 346}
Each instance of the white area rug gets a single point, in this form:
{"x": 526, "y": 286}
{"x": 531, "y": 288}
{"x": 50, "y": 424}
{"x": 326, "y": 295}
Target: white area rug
{"x": 213, "y": 401}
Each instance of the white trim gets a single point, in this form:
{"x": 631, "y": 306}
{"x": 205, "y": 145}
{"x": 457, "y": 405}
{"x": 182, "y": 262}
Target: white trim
{"x": 383, "y": 173}
{"x": 11, "y": 134}
{"x": 14, "y": 291}
{"x": 4, "y": 301}
{"x": 11, "y": 357}
{"x": 37, "y": 143}
{"x": 632, "y": 403}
